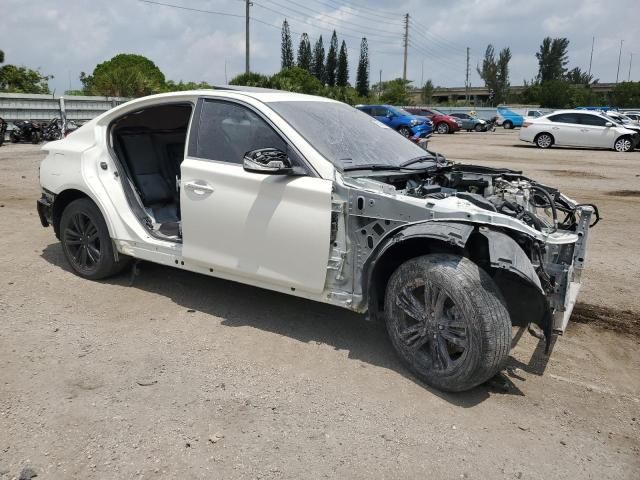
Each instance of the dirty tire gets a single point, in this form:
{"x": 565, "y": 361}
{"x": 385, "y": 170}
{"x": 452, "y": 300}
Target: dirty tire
{"x": 86, "y": 242}
{"x": 623, "y": 144}
{"x": 404, "y": 131}
{"x": 442, "y": 128}
{"x": 447, "y": 321}
{"x": 544, "y": 140}
{"x": 508, "y": 125}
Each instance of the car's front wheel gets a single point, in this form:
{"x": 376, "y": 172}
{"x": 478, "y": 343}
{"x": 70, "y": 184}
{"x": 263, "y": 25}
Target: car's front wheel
{"x": 404, "y": 131}
{"x": 478, "y": 127}
{"x": 623, "y": 144}
{"x": 447, "y": 321}
{"x": 86, "y": 242}
{"x": 442, "y": 128}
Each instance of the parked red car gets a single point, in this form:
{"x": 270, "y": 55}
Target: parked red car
{"x": 442, "y": 123}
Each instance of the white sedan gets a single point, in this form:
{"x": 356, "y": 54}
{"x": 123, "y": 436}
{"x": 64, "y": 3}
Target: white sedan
{"x": 578, "y": 128}
{"x": 310, "y": 197}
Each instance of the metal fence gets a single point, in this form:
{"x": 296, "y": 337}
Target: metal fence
{"x": 22, "y": 106}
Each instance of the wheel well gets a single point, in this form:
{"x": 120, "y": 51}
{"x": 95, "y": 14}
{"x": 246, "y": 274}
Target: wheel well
{"x": 523, "y": 301}
{"x": 61, "y": 202}
{"x": 535, "y": 139}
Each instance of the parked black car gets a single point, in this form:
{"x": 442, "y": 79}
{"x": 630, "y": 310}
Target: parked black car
{"x": 26, "y": 131}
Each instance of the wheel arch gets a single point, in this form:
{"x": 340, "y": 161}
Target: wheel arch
{"x": 64, "y": 198}
{"x": 495, "y": 251}
{"x": 553, "y": 139}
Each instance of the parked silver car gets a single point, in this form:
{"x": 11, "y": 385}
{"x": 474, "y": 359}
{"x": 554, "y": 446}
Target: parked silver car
{"x": 579, "y": 128}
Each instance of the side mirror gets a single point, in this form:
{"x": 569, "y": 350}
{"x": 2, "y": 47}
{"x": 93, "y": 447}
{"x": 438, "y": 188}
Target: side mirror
{"x": 608, "y": 124}
{"x": 270, "y": 161}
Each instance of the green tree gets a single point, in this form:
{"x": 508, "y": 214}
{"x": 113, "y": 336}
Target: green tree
{"x": 296, "y": 79}
{"x": 626, "y": 94}
{"x": 1, "y": 56}
{"x": 304, "y": 53}
{"x": 18, "y": 79}
{"x": 342, "y": 75}
{"x": 396, "y": 92}
{"x": 332, "y": 61}
{"x": 362, "y": 75}
{"x": 286, "y": 48}
{"x": 552, "y": 58}
{"x": 576, "y": 76}
{"x": 555, "y": 94}
{"x": 125, "y": 75}
{"x": 317, "y": 63}
{"x": 250, "y": 79}
{"x": 181, "y": 86}
{"x": 426, "y": 94}
{"x": 495, "y": 72}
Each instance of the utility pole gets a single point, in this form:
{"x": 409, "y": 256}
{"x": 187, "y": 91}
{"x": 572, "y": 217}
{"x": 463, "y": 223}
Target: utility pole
{"x": 246, "y": 47}
{"x": 466, "y": 82}
{"x": 593, "y": 40}
{"x": 422, "y": 75}
{"x": 406, "y": 45}
{"x": 380, "y": 85}
{"x": 630, "y": 61}
{"x": 619, "y": 57}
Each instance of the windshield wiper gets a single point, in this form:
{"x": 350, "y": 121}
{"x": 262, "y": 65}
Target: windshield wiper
{"x": 371, "y": 167}
{"x": 423, "y": 158}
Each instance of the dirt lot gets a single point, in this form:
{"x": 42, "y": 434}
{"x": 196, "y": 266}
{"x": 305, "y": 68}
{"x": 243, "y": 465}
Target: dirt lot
{"x": 185, "y": 376}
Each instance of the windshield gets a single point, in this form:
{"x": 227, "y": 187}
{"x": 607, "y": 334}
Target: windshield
{"x": 346, "y": 136}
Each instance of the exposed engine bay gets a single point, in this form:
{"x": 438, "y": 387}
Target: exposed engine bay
{"x": 504, "y": 191}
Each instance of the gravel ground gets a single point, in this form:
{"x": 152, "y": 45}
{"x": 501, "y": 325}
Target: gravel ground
{"x": 186, "y": 376}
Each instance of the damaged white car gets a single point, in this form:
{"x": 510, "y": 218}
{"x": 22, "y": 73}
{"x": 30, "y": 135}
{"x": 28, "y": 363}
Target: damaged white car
{"x": 311, "y": 197}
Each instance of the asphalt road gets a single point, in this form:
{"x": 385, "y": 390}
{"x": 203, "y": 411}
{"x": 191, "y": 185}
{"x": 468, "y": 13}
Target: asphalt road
{"x": 186, "y": 376}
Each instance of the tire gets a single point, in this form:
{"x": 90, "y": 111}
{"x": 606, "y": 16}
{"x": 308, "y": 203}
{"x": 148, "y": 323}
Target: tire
{"x": 623, "y": 144}
{"x": 14, "y": 138}
{"x": 86, "y": 242}
{"x": 465, "y": 340}
{"x": 508, "y": 125}
{"x": 405, "y": 131}
{"x": 442, "y": 128}
{"x": 36, "y": 138}
{"x": 544, "y": 140}
{"x": 478, "y": 128}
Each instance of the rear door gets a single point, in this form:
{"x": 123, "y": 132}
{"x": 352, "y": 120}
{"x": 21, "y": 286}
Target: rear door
{"x": 565, "y": 129}
{"x": 266, "y": 228}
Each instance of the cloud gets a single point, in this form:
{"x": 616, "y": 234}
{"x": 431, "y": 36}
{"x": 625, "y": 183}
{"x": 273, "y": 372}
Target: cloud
{"x": 66, "y": 37}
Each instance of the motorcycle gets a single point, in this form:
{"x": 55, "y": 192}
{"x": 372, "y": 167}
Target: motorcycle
{"x": 52, "y": 130}
{"x": 26, "y": 131}
{"x": 3, "y": 130}
{"x": 491, "y": 124}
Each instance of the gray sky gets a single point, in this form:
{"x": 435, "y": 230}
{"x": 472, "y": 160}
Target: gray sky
{"x": 66, "y": 37}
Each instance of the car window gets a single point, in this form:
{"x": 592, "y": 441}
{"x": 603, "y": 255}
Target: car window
{"x": 366, "y": 110}
{"x": 594, "y": 120}
{"x": 564, "y": 118}
{"x": 226, "y": 131}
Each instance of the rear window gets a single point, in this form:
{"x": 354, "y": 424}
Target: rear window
{"x": 565, "y": 118}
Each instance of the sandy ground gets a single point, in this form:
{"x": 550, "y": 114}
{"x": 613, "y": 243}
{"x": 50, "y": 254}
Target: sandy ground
{"x": 185, "y": 376}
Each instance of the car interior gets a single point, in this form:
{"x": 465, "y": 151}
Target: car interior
{"x": 150, "y": 146}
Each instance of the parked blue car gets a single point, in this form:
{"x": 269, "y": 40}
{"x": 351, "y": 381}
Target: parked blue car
{"x": 508, "y": 118}
{"x": 411, "y": 126}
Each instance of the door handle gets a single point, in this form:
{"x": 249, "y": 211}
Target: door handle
{"x": 555, "y": 128}
{"x": 199, "y": 188}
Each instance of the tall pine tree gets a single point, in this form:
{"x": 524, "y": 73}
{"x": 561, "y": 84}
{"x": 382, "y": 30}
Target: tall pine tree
{"x": 317, "y": 64}
{"x": 342, "y": 74}
{"x": 286, "y": 48}
{"x": 304, "y": 53}
{"x": 332, "y": 61}
{"x": 362, "y": 77}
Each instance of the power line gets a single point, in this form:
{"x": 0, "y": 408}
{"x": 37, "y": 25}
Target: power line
{"x": 371, "y": 11}
{"x": 192, "y": 9}
{"x": 365, "y": 14}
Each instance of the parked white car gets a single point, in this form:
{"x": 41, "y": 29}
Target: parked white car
{"x": 578, "y": 128}
{"x": 310, "y": 197}
{"x": 634, "y": 116}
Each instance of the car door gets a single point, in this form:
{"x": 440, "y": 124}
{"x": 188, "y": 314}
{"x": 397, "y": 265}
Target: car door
{"x": 565, "y": 129}
{"x": 594, "y": 131}
{"x": 271, "y": 229}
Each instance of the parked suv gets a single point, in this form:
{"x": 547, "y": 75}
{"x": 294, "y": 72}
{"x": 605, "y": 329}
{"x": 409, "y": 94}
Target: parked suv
{"x": 579, "y": 128}
{"x": 408, "y": 125}
{"x": 442, "y": 123}
{"x": 309, "y": 197}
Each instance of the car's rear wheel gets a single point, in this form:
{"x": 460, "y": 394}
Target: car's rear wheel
{"x": 543, "y": 140}
{"x": 508, "y": 124}
{"x": 442, "y": 128}
{"x": 447, "y": 321}
{"x": 623, "y": 144}
{"x": 86, "y": 242}
{"x": 404, "y": 131}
